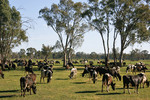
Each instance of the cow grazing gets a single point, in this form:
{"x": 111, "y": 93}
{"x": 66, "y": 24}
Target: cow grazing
{"x": 112, "y": 72}
{"x": 26, "y": 84}
{"x": 117, "y": 68}
{"x": 94, "y": 76}
{"x": 1, "y": 73}
{"x": 140, "y": 68}
{"x": 57, "y": 62}
{"x": 73, "y": 73}
{"x": 46, "y": 73}
{"x": 13, "y": 65}
{"x": 135, "y": 81}
{"x": 107, "y": 80}
{"x": 130, "y": 68}
{"x": 75, "y": 62}
{"x": 87, "y": 70}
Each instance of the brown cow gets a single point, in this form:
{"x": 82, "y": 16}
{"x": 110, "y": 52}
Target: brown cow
{"x": 108, "y": 80}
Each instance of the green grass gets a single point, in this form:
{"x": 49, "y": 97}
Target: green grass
{"x": 63, "y": 88}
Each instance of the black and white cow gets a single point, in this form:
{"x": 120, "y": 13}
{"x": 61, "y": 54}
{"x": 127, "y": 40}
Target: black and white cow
{"x": 115, "y": 73}
{"x": 107, "y": 81}
{"x": 73, "y": 73}
{"x": 88, "y": 70}
{"x": 135, "y": 81}
{"x": 94, "y": 75}
{"x": 46, "y": 73}
{"x": 130, "y": 68}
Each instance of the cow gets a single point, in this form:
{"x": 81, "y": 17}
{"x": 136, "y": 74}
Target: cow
{"x": 26, "y": 84}
{"x": 46, "y": 73}
{"x": 75, "y": 62}
{"x": 13, "y": 65}
{"x": 69, "y": 65}
{"x": 87, "y": 70}
{"x": 57, "y": 62}
{"x": 130, "y": 68}
{"x": 117, "y": 68}
{"x": 73, "y": 73}
{"x": 112, "y": 72}
{"x": 135, "y": 81}
{"x": 40, "y": 65}
{"x": 107, "y": 80}
{"x": 1, "y": 73}
{"x": 94, "y": 75}
{"x": 91, "y": 62}
{"x": 98, "y": 62}
{"x": 140, "y": 68}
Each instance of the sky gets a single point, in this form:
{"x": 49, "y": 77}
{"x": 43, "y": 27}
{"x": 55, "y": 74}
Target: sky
{"x": 40, "y": 33}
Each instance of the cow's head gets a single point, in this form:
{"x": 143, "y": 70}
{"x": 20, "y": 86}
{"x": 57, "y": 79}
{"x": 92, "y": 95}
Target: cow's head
{"x": 119, "y": 76}
{"x": 147, "y": 83}
{"x": 71, "y": 74}
{"x": 3, "y": 76}
{"x": 113, "y": 85}
{"x": 85, "y": 72}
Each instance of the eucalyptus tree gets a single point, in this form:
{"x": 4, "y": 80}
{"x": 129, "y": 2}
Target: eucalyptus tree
{"x": 98, "y": 15}
{"x": 65, "y": 19}
{"x": 21, "y": 53}
{"x": 31, "y": 52}
{"x": 46, "y": 51}
{"x": 132, "y": 22}
{"x": 11, "y": 32}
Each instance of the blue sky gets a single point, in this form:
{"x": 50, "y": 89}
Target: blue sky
{"x": 41, "y": 34}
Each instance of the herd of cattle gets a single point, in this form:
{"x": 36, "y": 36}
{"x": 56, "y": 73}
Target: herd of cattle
{"x": 108, "y": 74}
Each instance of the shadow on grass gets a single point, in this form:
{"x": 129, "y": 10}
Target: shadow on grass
{"x": 7, "y": 96}
{"x": 5, "y": 91}
{"x": 109, "y": 93}
{"x": 41, "y": 82}
{"x": 86, "y": 92}
{"x": 15, "y": 75}
{"x": 79, "y": 82}
{"x": 62, "y": 79}
{"x": 119, "y": 88}
{"x": 59, "y": 69}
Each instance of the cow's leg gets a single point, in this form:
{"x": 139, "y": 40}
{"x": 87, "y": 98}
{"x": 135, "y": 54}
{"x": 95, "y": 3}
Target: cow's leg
{"x": 30, "y": 90}
{"x": 21, "y": 92}
{"x": 137, "y": 89}
{"x": 40, "y": 79}
{"x": 43, "y": 80}
{"x": 124, "y": 87}
{"x": 143, "y": 84}
{"x": 107, "y": 88}
{"x": 24, "y": 92}
{"x": 128, "y": 89}
{"x": 102, "y": 87}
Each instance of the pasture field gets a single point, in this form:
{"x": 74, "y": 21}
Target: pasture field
{"x": 63, "y": 88}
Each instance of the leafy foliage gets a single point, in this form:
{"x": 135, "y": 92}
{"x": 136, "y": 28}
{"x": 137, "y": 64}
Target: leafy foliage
{"x": 11, "y": 32}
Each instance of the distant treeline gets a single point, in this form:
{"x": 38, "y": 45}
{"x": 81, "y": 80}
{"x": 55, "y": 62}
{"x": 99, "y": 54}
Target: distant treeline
{"x": 133, "y": 55}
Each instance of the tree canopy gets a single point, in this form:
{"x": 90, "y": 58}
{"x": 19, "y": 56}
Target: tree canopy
{"x": 65, "y": 19}
{"x": 11, "y": 31}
